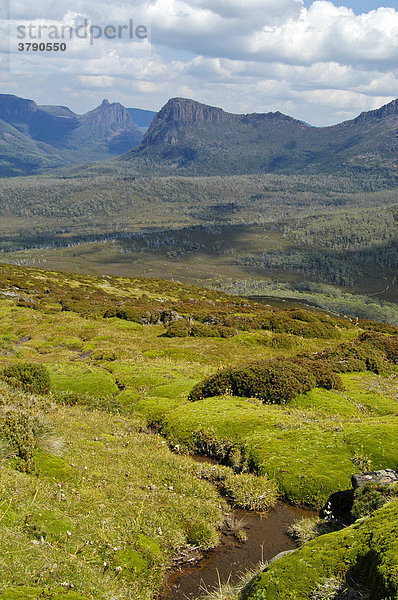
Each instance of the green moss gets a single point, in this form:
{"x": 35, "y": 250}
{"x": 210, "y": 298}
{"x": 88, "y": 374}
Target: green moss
{"x": 130, "y": 561}
{"x": 310, "y": 456}
{"x": 150, "y": 545}
{"x": 82, "y": 380}
{"x": 54, "y": 467}
{"x": 49, "y": 524}
{"x": 22, "y": 593}
{"x": 31, "y": 593}
{"x": 328, "y": 402}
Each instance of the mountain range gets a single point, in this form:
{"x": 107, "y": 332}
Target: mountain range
{"x": 35, "y": 137}
{"x": 188, "y": 137}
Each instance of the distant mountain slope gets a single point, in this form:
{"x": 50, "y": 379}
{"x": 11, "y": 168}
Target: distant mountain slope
{"x": 108, "y": 129}
{"x": 193, "y": 138}
{"x": 142, "y": 118}
{"x": 21, "y": 155}
{"x": 68, "y": 138}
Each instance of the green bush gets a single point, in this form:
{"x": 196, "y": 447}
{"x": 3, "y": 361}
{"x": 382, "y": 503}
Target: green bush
{"x": 21, "y": 431}
{"x": 371, "y": 497}
{"x": 295, "y": 324}
{"x": 215, "y": 385}
{"x": 31, "y": 377}
{"x": 204, "y": 330}
{"x": 324, "y": 375}
{"x": 125, "y": 313}
{"x": 387, "y": 345}
{"x": 179, "y": 328}
{"x": 283, "y": 341}
{"x": 271, "y": 381}
{"x": 226, "y": 332}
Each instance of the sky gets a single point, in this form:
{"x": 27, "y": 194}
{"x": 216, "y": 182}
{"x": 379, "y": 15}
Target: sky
{"x": 319, "y": 61}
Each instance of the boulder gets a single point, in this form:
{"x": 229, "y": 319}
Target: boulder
{"x": 381, "y": 477}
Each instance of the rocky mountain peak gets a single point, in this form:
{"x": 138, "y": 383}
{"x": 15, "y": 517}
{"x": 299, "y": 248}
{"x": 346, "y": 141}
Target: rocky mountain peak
{"x": 380, "y": 113}
{"x": 185, "y": 111}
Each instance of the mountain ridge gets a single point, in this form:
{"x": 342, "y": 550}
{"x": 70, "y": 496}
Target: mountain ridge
{"x": 193, "y": 138}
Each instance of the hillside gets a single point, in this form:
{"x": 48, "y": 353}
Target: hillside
{"x": 81, "y": 518}
{"x": 193, "y": 138}
{"x": 54, "y": 136}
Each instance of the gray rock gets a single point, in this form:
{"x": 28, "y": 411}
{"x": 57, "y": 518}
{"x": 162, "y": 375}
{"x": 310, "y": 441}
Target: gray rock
{"x": 381, "y": 477}
{"x": 280, "y": 555}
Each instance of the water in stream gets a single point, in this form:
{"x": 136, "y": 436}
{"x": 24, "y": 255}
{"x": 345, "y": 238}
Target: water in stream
{"x": 266, "y": 537}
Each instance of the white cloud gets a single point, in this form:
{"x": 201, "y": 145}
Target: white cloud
{"x": 320, "y": 64}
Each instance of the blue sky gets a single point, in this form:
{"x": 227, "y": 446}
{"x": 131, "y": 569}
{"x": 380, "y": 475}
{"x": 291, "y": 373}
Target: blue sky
{"x": 361, "y": 6}
{"x": 319, "y": 61}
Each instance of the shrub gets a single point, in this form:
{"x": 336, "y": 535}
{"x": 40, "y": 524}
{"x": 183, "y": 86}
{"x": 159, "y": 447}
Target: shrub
{"x": 372, "y": 496}
{"x": 31, "y": 377}
{"x": 283, "y": 341}
{"x": 21, "y": 431}
{"x": 324, "y": 375}
{"x": 271, "y": 381}
{"x": 179, "y": 328}
{"x": 125, "y": 313}
{"x": 204, "y": 330}
{"x": 281, "y": 323}
{"x": 388, "y": 345}
{"x": 226, "y": 332}
{"x": 215, "y": 385}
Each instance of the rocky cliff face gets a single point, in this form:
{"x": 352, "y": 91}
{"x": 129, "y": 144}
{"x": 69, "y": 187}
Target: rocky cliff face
{"x": 109, "y": 123}
{"x": 15, "y": 110}
{"x": 387, "y": 110}
{"x": 184, "y": 111}
{"x": 180, "y": 112}
{"x": 108, "y": 115}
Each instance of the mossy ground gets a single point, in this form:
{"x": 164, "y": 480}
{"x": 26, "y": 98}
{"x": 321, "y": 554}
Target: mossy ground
{"x": 109, "y": 484}
{"x": 366, "y": 553}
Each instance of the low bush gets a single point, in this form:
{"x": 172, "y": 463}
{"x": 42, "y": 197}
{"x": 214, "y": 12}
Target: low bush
{"x": 371, "y": 497}
{"x": 125, "y": 313}
{"x": 271, "y": 381}
{"x": 179, "y": 328}
{"x": 310, "y": 328}
{"x": 21, "y": 431}
{"x": 204, "y": 330}
{"x": 31, "y": 377}
{"x": 387, "y": 345}
{"x": 324, "y": 375}
{"x": 278, "y": 382}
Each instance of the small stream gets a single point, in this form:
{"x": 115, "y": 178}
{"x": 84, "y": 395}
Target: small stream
{"x": 265, "y": 538}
